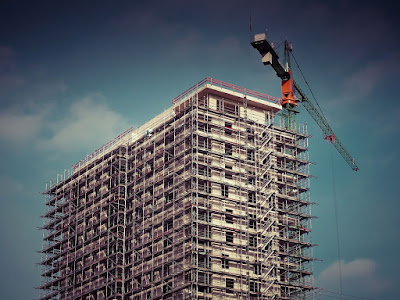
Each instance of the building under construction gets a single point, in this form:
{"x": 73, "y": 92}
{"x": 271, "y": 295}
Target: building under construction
{"x": 208, "y": 200}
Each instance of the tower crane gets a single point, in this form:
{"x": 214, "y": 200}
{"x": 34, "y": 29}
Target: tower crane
{"x": 292, "y": 94}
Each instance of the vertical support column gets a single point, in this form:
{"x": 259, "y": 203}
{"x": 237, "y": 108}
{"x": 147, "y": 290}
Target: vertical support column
{"x": 195, "y": 199}
{"x": 265, "y": 204}
{"x": 249, "y": 166}
{"x": 117, "y": 225}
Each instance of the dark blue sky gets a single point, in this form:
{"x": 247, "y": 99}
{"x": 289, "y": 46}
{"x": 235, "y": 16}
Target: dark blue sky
{"x": 74, "y": 74}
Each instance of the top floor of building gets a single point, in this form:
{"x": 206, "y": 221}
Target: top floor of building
{"x": 227, "y": 99}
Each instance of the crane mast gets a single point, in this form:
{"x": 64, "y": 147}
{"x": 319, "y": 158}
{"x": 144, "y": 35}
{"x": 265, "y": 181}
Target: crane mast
{"x": 290, "y": 89}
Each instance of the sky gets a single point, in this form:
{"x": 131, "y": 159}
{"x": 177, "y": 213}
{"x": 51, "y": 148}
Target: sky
{"x": 74, "y": 74}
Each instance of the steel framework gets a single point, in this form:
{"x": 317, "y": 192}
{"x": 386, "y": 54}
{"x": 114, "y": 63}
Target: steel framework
{"x": 209, "y": 200}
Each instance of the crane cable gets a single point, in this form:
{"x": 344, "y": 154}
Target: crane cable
{"x": 337, "y": 223}
{"x": 305, "y": 80}
{"x": 333, "y": 194}
{"x": 336, "y": 295}
{"x": 333, "y": 184}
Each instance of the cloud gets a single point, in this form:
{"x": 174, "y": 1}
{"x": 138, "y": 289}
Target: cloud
{"x": 361, "y": 83}
{"x": 364, "y": 81}
{"x": 29, "y": 84}
{"x": 19, "y": 127}
{"x": 86, "y": 124}
{"x": 27, "y": 106}
{"x": 89, "y": 123}
{"x": 359, "y": 276}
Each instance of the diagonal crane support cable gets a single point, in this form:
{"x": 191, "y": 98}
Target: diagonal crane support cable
{"x": 308, "y": 85}
{"x": 326, "y": 129}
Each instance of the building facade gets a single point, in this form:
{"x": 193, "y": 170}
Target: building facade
{"x": 208, "y": 200}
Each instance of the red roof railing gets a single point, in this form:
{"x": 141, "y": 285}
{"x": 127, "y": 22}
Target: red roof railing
{"x": 228, "y": 86}
{"x": 102, "y": 149}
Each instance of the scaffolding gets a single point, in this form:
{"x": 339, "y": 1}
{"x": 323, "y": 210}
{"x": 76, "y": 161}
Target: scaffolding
{"x": 209, "y": 200}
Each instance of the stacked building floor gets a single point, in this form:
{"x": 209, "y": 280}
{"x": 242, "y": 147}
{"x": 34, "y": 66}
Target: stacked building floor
{"x": 208, "y": 200}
